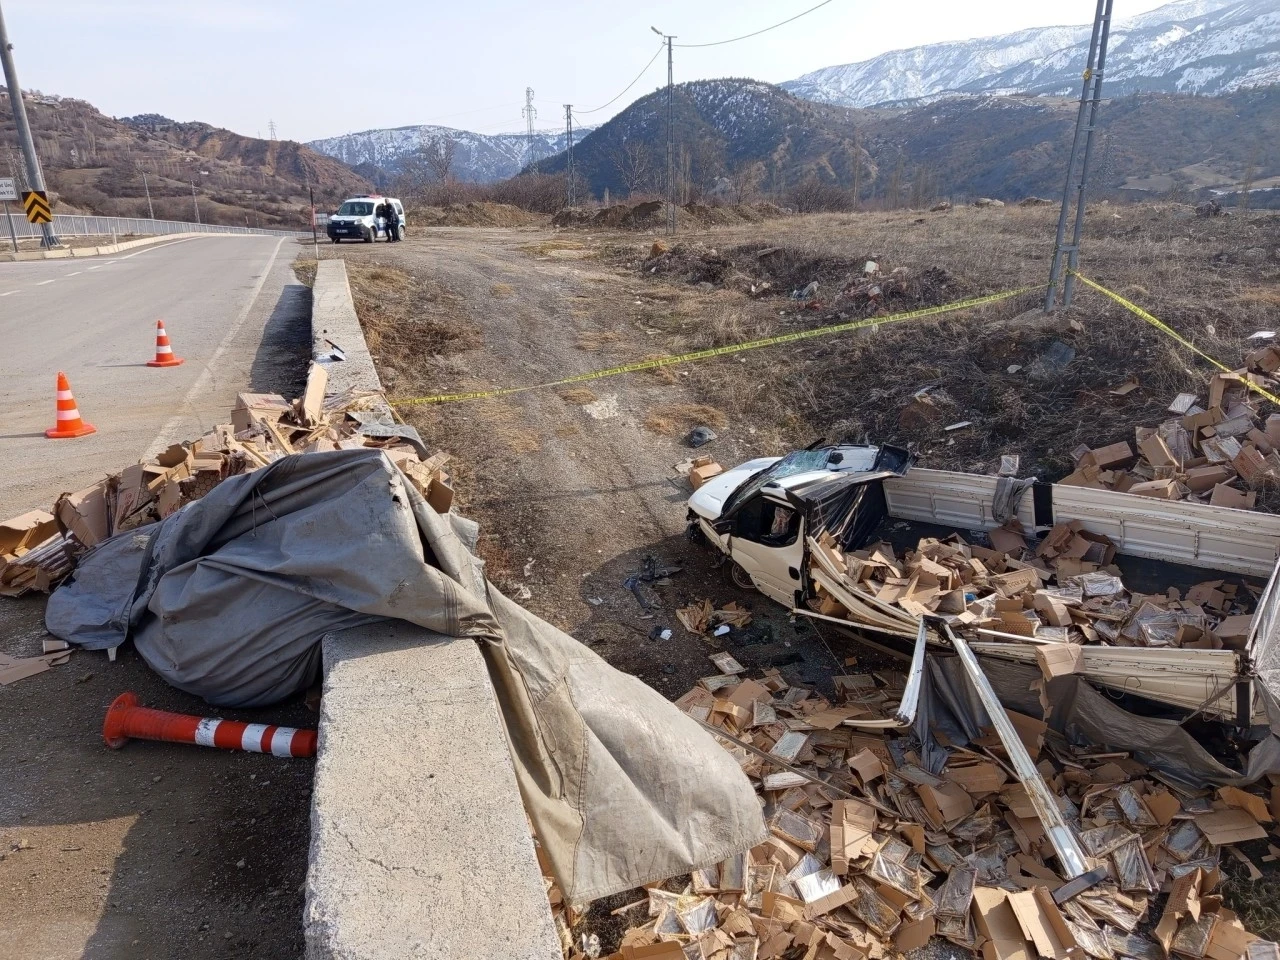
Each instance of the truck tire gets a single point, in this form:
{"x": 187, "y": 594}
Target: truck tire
{"x": 373, "y": 235}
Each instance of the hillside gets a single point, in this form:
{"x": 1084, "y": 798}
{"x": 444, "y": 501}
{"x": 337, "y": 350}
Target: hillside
{"x": 723, "y": 129}
{"x": 961, "y": 147}
{"x": 478, "y": 157}
{"x": 1189, "y": 46}
{"x": 95, "y": 164}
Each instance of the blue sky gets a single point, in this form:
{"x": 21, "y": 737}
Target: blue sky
{"x": 325, "y": 67}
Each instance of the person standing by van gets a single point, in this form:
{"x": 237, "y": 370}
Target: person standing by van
{"x": 393, "y": 222}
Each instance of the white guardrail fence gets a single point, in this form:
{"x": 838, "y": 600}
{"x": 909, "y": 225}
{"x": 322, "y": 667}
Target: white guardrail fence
{"x": 74, "y": 225}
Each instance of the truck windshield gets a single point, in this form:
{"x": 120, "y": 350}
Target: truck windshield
{"x": 799, "y": 461}
{"x": 355, "y": 208}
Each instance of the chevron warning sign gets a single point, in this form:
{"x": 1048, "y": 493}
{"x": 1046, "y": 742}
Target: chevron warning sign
{"x": 36, "y": 203}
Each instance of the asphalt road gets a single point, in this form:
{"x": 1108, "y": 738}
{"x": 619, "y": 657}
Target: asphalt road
{"x": 157, "y": 850}
{"x": 223, "y": 299}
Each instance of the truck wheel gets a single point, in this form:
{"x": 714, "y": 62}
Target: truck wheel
{"x": 373, "y": 235}
{"x": 741, "y": 579}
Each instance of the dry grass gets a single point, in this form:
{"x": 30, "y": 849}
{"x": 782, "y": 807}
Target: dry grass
{"x": 672, "y": 419}
{"x": 578, "y": 395}
{"x": 1257, "y": 903}
{"x": 502, "y": 290}
{"x": 408, "y": 319}
{"x": 1213, "y": 280}
{"x": 547, "y": 247}
{"x": 593, "y": 340}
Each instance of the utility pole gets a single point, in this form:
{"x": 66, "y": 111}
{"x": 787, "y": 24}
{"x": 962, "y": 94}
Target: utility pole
{"x": 530, "y": 113}
{"x": 671, "y": 137}
{"x": 1086, "y": 125}
{"x": 35, "y": 179}
{"x": 151, "y": 211}
{"x": 568, "y": 130}
{"x": 271, "y": 129}
{"x": 194, "y": 202}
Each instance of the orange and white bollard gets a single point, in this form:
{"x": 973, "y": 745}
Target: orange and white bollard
{"x": 68, "y": 422}
{"x": 127, "y": 721}
{"x": 164, "y": 352}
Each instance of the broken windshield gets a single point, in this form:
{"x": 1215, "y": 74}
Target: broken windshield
{"x": 800, "y": 461}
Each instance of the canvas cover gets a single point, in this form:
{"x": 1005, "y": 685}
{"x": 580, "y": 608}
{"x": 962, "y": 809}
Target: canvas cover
{"x": 228, "y": 598}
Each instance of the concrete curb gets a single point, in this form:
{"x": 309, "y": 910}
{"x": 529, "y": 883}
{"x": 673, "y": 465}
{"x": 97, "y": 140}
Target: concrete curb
{"x": 420, "y": 847}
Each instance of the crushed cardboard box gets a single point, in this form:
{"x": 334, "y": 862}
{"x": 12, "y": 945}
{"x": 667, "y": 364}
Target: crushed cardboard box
{"x": 863, "y": 867}
{"x": 1221, "y": 453}
{"x": 1063, "y": 592}
{"x": 38, "y": 550}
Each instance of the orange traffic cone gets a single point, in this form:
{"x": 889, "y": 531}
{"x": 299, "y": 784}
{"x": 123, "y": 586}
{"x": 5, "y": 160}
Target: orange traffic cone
{"x": 126, "y": 720}
{"x": 164, "y": 352}
{"x": 69, "y": 423}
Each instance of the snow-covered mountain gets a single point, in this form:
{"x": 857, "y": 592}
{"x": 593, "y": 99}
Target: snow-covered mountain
{"x": 1188, "y": 46}
{"x": 478, "y": 157}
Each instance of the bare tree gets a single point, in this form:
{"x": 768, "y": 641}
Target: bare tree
{"x": 634, "y": 162}
{"x": 437, "y": 154}
{"x": 745, "y": 180}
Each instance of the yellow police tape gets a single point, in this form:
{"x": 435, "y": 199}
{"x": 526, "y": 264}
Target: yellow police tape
{"x": 1169, "y": 331}
{"x": 657, "y": 362}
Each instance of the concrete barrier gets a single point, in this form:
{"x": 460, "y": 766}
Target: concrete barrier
{"x": 420, "y": 847}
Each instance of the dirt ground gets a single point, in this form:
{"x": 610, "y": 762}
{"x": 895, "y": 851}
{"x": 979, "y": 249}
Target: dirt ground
{"x": 574, "y": 487}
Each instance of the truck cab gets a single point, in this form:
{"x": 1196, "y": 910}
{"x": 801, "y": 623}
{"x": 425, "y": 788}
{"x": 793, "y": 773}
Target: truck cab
{"x": 760, "y": 513}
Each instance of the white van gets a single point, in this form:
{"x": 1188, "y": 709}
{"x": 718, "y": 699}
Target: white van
{"x": 357, "y": 219}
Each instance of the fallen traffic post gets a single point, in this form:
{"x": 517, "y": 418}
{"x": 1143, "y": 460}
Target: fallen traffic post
{"x": 126, "y": 721}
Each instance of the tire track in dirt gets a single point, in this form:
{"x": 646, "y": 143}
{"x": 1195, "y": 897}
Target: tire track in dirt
{"x": 585, "y": 499}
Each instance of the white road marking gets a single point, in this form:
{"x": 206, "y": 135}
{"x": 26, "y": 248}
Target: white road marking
{"x": 43, "y": 282}
{"x": 76, "y": 274}
{"x": 162, "y": 441}
{"x": 8, "y": 293}
{"x": 95, "y": 267}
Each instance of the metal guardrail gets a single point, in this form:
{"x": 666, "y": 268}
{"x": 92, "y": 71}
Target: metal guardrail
{"x": 74, "y": 225}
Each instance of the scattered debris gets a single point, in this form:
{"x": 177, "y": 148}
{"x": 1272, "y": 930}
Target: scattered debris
{"x": 1205, "y": 453}
{"x": 38, "y": 550}
{"x": 1066, "y": 590}
{"x": 873, "y": 852}
{"x": 700, "y": 435}
{"x": 702, "y": 618}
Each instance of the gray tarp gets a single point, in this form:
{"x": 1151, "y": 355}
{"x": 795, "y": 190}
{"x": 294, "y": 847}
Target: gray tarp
{"x": 229, "y": 597}
{"x": 1087, "y": 717}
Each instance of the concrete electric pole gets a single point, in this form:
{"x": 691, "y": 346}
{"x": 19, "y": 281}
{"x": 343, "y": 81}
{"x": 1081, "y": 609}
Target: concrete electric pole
{"x": 1086, "y": 126}
{"x": 671, "y": 136}
{"x": 35, "y": 179}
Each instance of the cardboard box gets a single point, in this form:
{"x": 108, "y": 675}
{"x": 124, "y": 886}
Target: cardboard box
{"x": 26, "y": 531}
{"x": 699, "y": 475}
{"x": 1227, "y": 496}
{"x": 84, "y": 514}
{"x": 1059, "y": 659}
{"x": 1160, "y": 489}
{"x": 251, "y": 407}
{"x": 1201, "y": 479}
{"x": 1113, "y": 455}
{"x": 1043, "y": 924}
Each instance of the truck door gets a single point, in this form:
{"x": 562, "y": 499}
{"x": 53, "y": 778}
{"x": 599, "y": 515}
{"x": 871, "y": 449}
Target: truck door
{"x": 767, "y": 542}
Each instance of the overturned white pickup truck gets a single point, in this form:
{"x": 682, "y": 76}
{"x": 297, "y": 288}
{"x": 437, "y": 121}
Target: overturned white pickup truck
{"x": 798, "y": 529}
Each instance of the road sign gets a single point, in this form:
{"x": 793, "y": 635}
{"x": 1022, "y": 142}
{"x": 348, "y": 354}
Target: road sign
{"x": 36, "y": 203}
{"x": 8, "y": 188}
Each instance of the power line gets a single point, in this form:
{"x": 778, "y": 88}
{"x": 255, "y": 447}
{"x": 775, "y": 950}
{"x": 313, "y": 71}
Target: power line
{"x": 656, "y": 54}
{"x": 747, "y": 36}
